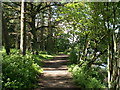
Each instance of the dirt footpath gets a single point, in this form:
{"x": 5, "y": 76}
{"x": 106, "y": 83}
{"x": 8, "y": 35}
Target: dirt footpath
{"x": 56, "y": 74}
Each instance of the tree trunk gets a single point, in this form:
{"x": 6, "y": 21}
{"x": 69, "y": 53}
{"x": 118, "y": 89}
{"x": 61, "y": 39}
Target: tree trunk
{"x": 0, "y": 25}
{"x": 34, "y": 45}
{"x": 42, "y": 31}
{"x": 50, "y": 42}
{"x": 109, "y": 55}
{"x": 115, "y": 76}
{"x": 5, "y": 35}
{"x": 118, "y": 61}
{"x": 1, "y": 44}
{"x": 23, "y": 29}
{"x": 83, "y": 57}
{"x": 17, "y": 44}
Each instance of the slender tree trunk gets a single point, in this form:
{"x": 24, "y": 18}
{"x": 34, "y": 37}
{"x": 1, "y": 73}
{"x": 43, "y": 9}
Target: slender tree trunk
{"x": 73, "y": 34}
{"x": 109, "y": 68}
{"x": 34, "y": 45}
{"x": 82, "y": 57}
{"x": 118, "y": 64}
{"x": 23, "y": 29}
{"x": 42, "y": 31}
{"x": 114, "y": 74}
{"x": 5, "y": 35}
{"x": 118, "y": 61}
{"x": 118, "y": 46}
{"x": 17, "y": 44}
{"x": 0, "y": 25}
{"x": 0, "y": 44}
{"x": 50, "y": 42}
{"x": 109, "y": 55}
{"x": 42, "y": 43}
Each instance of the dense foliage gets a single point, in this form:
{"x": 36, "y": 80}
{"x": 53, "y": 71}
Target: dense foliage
{"x": 94, "y": 35}
{"x": 22, "y": 71}
{"x": 88, "y": 78}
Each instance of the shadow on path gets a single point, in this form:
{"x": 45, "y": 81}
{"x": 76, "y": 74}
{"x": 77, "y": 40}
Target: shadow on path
{"x": 55, "y": 74}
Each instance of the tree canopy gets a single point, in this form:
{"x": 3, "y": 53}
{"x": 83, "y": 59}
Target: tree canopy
{"x": 89, "y": 32}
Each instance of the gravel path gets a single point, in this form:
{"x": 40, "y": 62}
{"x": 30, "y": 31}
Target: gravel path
{"x": 56, "y": 74}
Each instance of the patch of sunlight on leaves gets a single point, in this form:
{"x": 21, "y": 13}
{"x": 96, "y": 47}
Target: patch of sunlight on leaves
{"x": 2, "y": 51}
{"x": 37, "y": 67}
{"x": 45, "y": 56}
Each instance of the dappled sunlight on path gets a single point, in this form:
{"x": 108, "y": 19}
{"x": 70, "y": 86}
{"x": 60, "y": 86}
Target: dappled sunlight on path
{"x": 56, "y": 74}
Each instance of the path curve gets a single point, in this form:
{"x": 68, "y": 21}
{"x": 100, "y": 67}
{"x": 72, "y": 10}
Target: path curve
{"x": 55, "y": 74}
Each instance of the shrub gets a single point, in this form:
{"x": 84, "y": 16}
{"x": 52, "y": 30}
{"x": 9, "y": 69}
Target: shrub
{"x": 73, "y": 56}
{"x": 20, "y": 71}
{"x": 84, "y": 78}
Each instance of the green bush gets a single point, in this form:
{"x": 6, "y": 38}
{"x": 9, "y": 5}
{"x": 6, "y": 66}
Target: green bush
{"x": 20, "y": 71}
{"x": 84, "y": 79}
{"x": 73, "y": 56}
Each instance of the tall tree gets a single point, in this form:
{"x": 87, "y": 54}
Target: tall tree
{"x": 50, "y": 42}
{"x": 0, "y": 43}
{"x": 23, "y": 29}
{"x": 0, "y": 24}
{"x": 42, "y": 31}
{"x": 5, "y": 35}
